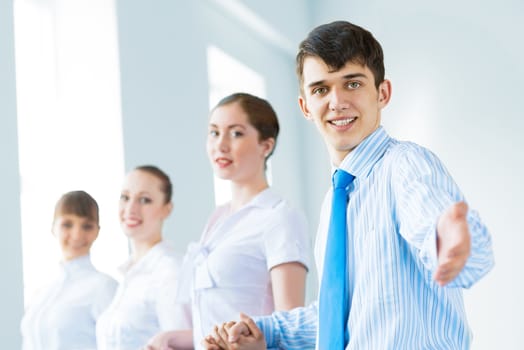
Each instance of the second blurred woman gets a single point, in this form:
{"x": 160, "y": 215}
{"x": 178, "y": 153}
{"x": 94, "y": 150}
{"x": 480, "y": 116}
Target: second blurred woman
{"x": 144, "y": 302}
{"x": 254, "y": 252}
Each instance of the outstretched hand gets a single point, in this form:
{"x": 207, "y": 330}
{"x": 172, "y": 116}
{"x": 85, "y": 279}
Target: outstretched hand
{"x": 453, "y": 243}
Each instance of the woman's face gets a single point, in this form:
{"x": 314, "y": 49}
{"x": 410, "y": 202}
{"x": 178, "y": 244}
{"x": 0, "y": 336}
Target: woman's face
{"x": 142, "y": 208}
{"x": 233, "y": 145}
{"x": 75, "y": 234}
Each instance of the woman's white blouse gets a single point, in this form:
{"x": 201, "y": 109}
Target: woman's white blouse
{"x": 144, "y": 303}
{"x": 63, "y": 316}
{"x": 231, "y": 264}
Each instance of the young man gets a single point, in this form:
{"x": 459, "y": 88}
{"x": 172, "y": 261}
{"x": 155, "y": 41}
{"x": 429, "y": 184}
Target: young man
{"x": 412, "y": 242}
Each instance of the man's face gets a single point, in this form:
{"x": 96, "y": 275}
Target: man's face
{"x": 344, "y": 105}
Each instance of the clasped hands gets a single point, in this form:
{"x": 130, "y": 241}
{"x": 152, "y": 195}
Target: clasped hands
{"x": 241, "y": 335}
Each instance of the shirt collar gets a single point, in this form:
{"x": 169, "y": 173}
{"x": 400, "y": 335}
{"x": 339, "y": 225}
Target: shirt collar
{"x": 265, "y": 199}
{"x": 146, "y": 261}
{"x": 363, "y": 158}
{"x": 76, "y": 264}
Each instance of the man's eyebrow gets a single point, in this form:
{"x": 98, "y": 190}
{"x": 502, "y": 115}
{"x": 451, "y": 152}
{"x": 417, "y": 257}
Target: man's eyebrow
{"x": 355, "y": 75}
{"x": 316, "y": 83}
{"x": 346, "y": 77}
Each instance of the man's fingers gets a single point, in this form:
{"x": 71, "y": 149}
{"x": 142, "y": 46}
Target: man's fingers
{"x": 455, "y": 260}
{"x": 457, "y": 211}
{"x": 453, "y": 243}
{"x": 460, "y": 210}
{"x": 460, "y": 250}
{"x": 238, "y": 329}
{"x": 450, "y": 269}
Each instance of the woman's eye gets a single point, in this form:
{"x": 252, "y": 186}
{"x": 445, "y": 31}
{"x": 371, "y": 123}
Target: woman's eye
{"x": 235, "y": 133}
{"x": 124, "y": 197}
{"x": 67, "y": 224}
{"x": 144, "y": 200}
{"x": 213, "y": 133}
{"x": 88, "y": 227}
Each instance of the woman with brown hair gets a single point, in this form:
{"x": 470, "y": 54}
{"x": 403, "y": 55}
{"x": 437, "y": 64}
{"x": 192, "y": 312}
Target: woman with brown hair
{"x": 144, "y": 302}
{"x": 64, "y": 315}
{"x": 254, "y": 252}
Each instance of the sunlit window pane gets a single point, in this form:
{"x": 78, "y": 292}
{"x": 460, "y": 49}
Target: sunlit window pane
{"x": 226, "y": 76}
{"x": 69, "y": 122}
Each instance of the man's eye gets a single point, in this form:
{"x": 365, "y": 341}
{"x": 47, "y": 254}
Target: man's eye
{"x": 354, "y": 85}
{"x": 213, "y": 133}
{"x": 319, "y": 91}
{"x": 124, "y": 197}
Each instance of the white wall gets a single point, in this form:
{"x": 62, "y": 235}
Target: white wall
{"x": 165, "y": 92}
{"x": 11, "y": 293}
{"x": 456, "y": 69}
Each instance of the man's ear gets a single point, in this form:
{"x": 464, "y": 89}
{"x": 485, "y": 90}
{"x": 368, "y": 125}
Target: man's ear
{"x": 384, "y": 93}
{"x": 303, "y": 107}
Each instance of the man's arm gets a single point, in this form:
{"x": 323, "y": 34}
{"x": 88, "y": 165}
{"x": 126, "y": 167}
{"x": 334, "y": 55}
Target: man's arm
{"x": 454, "y": 245}
{"x": 294, "y": 329}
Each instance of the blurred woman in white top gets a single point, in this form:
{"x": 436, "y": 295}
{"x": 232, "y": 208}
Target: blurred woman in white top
{"x": 254, "y": 252}
{"x": 144, "y": 303}
{"x": 63, "y": 316}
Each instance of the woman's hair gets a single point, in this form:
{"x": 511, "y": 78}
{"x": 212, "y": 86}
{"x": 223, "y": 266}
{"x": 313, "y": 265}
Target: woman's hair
{"x": 259, "y": 113}
{"x": 79, "y": 203}
{"x": 166, "y": 186}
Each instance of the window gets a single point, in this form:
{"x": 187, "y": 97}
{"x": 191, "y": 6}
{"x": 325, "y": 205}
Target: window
{"x": 226, "y": 76}
{"x": 69, "y": 122}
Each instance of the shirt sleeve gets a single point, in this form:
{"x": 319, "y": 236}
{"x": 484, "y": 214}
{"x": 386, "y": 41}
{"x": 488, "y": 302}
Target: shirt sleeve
{"x": 294, "y": 329}
{"x": 286, "y": 238}
{"x": 424, "y": 190}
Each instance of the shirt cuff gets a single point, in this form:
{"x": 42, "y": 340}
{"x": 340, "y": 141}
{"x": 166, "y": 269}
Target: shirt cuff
{"x": 428, "y": 251}
{"x": 268, "y": 328}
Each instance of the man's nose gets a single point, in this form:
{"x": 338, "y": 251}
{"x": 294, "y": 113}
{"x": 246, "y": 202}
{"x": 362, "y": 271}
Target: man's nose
{"x": 338, "y": 100}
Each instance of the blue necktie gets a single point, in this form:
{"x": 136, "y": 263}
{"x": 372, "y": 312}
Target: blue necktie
{"x": 333, "y": 298}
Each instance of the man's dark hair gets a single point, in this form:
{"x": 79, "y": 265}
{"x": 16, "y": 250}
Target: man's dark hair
{"x": 338, "y": 43}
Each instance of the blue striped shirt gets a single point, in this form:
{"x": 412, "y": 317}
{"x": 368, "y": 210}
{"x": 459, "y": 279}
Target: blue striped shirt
{"x": 399, "y": 192}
